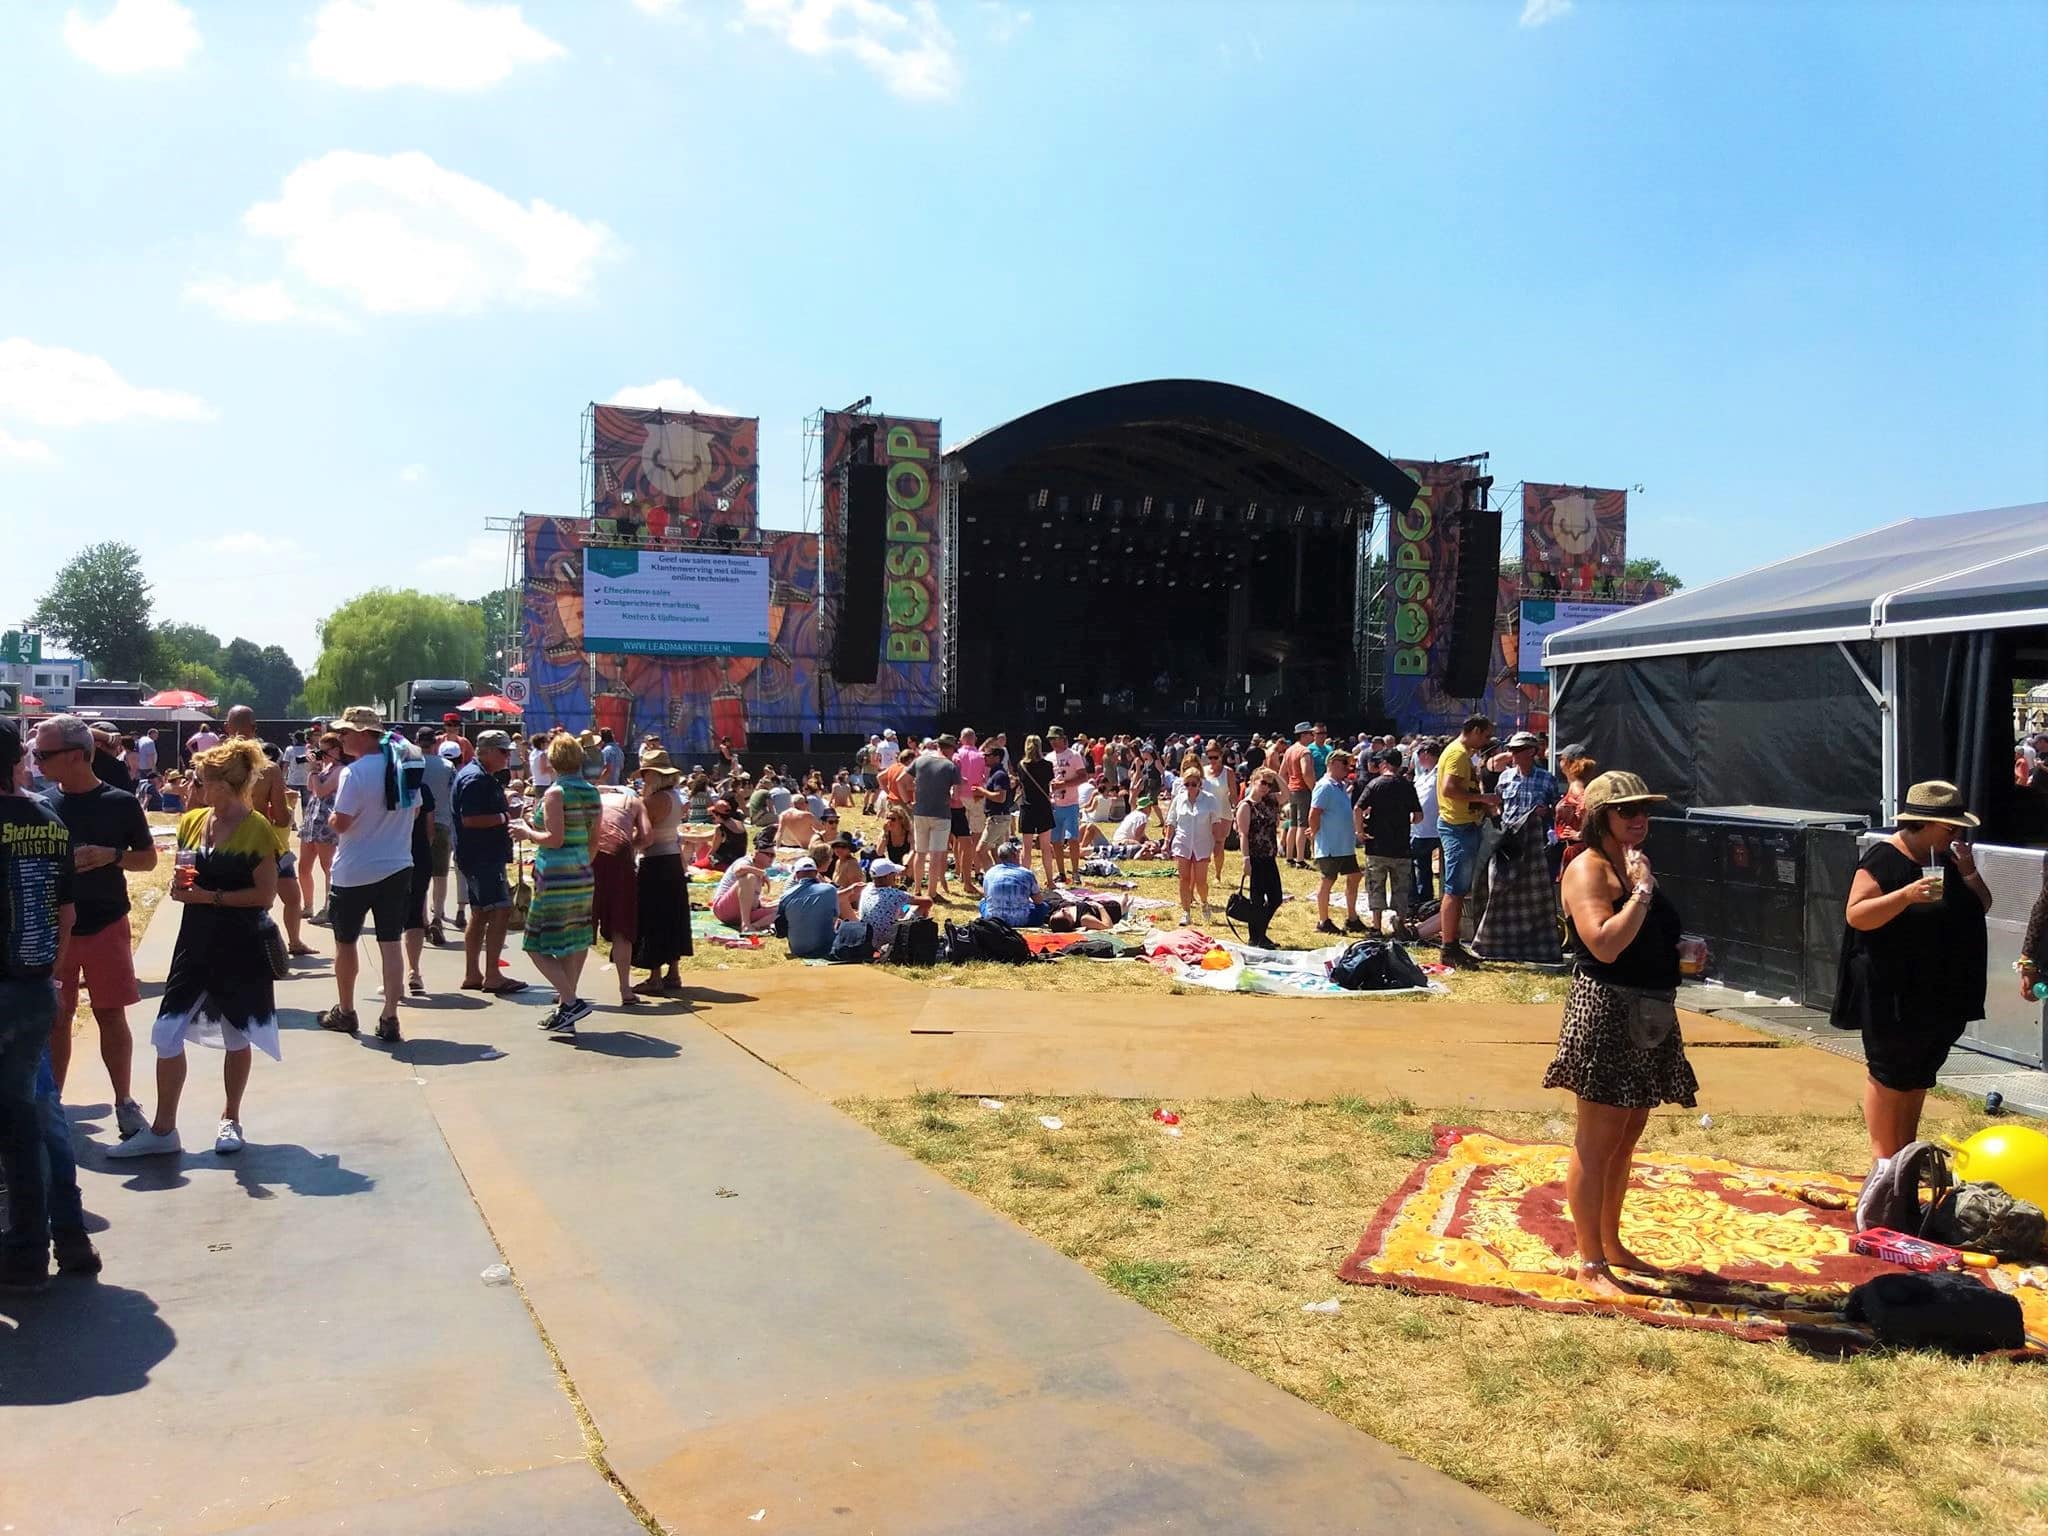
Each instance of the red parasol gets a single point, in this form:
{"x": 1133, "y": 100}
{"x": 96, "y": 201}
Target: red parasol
{"x": 489, "y": 704}
{"x": 177, "y": 698}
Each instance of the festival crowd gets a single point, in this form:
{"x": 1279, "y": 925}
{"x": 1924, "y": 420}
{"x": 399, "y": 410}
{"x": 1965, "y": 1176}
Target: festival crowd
{"x": 369, "y": 829}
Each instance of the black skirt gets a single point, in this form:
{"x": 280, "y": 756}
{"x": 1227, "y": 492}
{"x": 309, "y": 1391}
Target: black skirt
{"x": 664, "y": 935}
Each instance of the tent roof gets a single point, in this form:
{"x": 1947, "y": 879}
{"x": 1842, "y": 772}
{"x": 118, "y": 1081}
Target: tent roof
{"x": 1970, "y": 570}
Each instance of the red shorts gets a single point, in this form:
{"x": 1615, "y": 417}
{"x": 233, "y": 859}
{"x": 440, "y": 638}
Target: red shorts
{"x": 107, "y": 962}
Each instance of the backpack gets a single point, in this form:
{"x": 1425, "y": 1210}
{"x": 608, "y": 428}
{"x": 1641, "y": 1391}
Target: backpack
{"x": 916, "y": 942}
{"x": 1948, "y": 1310}
{"x": 1983, "y": 1217}
{"x": 1891, "y": 1198}
{"x": 986, "y": 938}
{"x": 853, "y": 942}
{"x": 1376, "y": 965}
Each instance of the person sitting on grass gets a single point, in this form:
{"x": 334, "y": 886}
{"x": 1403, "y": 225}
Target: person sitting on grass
{"x": 842, "y": 867}
{"x": 808, "y": 913}
{"x": 842, "y": 790}
{"x": 896, "y": 835}
{"x": 797, "y": 826}
{"x": 1012, "y": 892}
{"x": 738, "y": 900}
{"x": 883, "y": 902}
{"x": 729, "y": 842}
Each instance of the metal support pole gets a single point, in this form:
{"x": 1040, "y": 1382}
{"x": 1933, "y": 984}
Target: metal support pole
{"x": 1888, "y": 728}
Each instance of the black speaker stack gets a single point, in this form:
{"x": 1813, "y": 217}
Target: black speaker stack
{"x": 1468, "y": 648}
{"x": 857, "y": 642}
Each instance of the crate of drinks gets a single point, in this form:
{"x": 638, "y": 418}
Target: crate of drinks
{"x": 1901, "y": 1248}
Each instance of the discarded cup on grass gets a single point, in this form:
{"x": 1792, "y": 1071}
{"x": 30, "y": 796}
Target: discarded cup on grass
{"x": 1706, "y": 1122}
{"x": 1171, "y": 1130}
{"x": 991, "y": 1103}
{"x": 496, "y": 1274}
{"x": 1166, "y": 1117}
{"x": 1994, "y": 1101}
{"x": 1539, "y": 997}
{"x": 1320, "y": 1306}
{"x": 1052, "y": 1122}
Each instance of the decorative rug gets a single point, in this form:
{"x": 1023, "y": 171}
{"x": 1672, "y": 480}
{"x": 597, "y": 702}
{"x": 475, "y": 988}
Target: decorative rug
{"x": 1758, "y": 1252}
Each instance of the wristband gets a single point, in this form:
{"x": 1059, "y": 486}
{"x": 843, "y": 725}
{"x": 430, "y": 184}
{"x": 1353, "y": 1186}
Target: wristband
{"x": 1640, "y": 893}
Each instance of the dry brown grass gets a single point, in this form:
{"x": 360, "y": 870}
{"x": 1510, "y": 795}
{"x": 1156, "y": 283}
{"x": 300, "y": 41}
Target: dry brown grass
{"x": 1591, "y": 1425}
{"x": 1293, "y": 928}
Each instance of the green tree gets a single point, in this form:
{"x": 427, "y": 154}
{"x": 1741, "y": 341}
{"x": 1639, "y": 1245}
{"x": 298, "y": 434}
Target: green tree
{"x": 501, "y": 616}
{"x": 99, "y": 607}
{"x": 179, "y": 645}
{"x": 1645, "y": 569}
{"x": 200, "y": 678}
{"x": 374, "y": 642}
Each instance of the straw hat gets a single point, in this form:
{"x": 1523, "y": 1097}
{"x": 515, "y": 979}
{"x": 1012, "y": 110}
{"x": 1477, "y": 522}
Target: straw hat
{"x": 1937, "y": 800}
{"x": 1618, "y": 788}
{"x": 359, "y": 717}
{"x": 656, "y": 763}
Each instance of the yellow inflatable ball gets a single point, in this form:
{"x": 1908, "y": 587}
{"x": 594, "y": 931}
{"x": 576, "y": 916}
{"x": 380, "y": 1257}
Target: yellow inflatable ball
{"x": 2014, "y": 1157}
{"x": 1217, "y": 960}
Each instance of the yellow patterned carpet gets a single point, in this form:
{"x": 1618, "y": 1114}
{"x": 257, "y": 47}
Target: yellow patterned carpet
{"x": 1758, "y": 1252}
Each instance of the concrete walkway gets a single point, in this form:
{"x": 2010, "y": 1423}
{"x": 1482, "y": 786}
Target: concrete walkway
{"x": 762, "y": 1309}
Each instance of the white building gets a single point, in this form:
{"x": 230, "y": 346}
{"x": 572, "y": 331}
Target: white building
{"x": 54, "y": 680}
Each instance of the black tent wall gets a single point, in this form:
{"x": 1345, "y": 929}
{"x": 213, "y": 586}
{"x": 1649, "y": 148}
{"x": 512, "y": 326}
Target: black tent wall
{"x": 1786, "y": 726}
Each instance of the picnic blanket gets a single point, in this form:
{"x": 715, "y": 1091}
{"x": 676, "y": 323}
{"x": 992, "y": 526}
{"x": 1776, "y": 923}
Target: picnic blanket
{"x": 1269, "y": 972}
{"x": 1757, "y": 1252}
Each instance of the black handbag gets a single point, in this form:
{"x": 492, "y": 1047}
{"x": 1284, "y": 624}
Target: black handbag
{"x": 1237, "y": 907}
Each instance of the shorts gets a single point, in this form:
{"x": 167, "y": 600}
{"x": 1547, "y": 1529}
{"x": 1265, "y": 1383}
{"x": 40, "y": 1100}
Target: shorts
{"x": 959, "y": 824}
{"x": 106, "y": 962}
{"x": 1298, "y": 805}
{"x": 384, "y": 900}
{"x": 977, "y": 814}
{"x": 1906, "y": 1060}
{"x": 995, "y": 831}
{"x": 438, "y": 849}
{"x": 1338, "y": 864}
{"x": 486, "y": 890}
{"x": 1461, "y": 857}
{"x": 929, "y": 834}
{"x": 1066, "y": 823}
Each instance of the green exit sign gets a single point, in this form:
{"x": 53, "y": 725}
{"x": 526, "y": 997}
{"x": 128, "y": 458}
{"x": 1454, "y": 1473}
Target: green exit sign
{"x": 18, "y": 647}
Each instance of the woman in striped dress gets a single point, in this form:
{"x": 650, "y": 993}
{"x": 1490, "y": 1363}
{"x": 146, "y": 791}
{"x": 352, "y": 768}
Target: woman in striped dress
{"x": 559, "y": 924}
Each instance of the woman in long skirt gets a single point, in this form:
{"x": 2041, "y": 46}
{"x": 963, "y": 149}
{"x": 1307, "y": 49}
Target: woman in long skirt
{"x": 560, "y": 924}
{"x": 219, "y": 991}
{"x": 664, "y": 936}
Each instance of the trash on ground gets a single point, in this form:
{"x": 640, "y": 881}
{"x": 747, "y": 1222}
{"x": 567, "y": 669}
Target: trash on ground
{"x": 1320, "y": 1306}
{"x": 991, "y": 1103}
{"x": 496, "y": 1274}
{"x": 1052, "y": 1122}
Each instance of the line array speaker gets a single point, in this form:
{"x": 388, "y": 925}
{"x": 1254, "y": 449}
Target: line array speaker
{"x": 857, "y": 641}
{"x": 1468, "y": 649}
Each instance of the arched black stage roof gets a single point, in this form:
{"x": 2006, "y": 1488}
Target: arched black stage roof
{"x": 1194, "y": 433}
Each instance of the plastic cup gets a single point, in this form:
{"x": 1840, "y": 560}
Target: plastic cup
{"x": 1932, "y": 874}
{"x": 186, "y": 868}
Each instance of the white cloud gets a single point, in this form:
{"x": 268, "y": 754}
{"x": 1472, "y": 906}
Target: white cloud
{"x": 413, "y": 474}
{"x": 658, "y": 7}
{"x": 268, "y": 303}
{"x": 397, "y": 234}
{"x": 911, "y": 50}
{"x": 1538, "y": 13}
{"x": 56, "y": 387}
{"x": 137, "y": 37}
{"x": 249, "y": 542}
{"x": 666, "y": 395}
{"x": 1005, "y": 22}
{"x": 481, "y": 562}
{"x": 444, "y": 45}
{"x": 24, "y": 450}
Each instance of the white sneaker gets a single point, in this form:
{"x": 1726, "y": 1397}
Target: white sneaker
{"x": 148, "y": 1144}
{"x": 129, "y": 1119}
{"x": 228, "y": 1139}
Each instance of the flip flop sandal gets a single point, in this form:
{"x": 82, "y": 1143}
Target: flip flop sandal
{"x": 415, "y": 986}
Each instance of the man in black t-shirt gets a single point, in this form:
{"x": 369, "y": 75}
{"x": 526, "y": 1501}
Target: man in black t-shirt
{"x": 107, "y": 765}
{"x": 109, "y": 836}
{"x": 35, "y": 925}
{"x": 1391, "y": 810}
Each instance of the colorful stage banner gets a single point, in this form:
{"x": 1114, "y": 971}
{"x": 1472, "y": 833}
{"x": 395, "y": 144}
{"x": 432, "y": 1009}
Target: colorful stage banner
{"x": 1544, "y": 617}
{"x": 693, "y": 701}
{"x": 908, "y": 687}
{"x": 685, "y": 473}
{"x": 1572, "y": 537}
{"x": 1422, "y": 555}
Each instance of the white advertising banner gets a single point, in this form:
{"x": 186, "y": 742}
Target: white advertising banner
{"x": 1544, "y": 617}
{"x": 671, "y": 602}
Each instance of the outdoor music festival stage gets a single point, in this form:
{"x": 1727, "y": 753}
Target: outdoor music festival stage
{"x": 1169, "y": 554}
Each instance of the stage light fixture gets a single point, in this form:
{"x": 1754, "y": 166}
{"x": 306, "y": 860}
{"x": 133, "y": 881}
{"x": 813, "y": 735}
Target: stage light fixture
{"x": 1200, "y": 502}
{"x": 1145, "y": 510}
{"x": 1095, "y": 502}
{"x": 1042, "y": 497}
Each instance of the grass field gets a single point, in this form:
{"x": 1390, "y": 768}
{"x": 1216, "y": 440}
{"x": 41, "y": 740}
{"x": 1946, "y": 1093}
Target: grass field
{"x": 1590, "y": 1425}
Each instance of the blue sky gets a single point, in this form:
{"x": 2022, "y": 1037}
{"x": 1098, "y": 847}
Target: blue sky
{"x": 295, "y": 294}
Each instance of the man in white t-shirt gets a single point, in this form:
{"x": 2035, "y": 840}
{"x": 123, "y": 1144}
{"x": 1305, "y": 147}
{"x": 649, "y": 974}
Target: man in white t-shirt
{"x": 1069, "y": 768}
{"x": 372, "y": 874}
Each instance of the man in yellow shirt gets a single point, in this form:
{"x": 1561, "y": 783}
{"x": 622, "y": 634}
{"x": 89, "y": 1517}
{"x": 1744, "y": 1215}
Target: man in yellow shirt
{"x": 1460, "y": 808}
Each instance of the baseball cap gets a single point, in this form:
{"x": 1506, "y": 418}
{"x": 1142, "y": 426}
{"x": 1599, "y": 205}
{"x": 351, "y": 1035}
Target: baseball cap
{"x": 451, "y": 750}
{"x": 883, "y": 868}
{"x": 496, "y": 739}
{"x": 1521, "y": 739}
{"x": 804, "y": 867}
